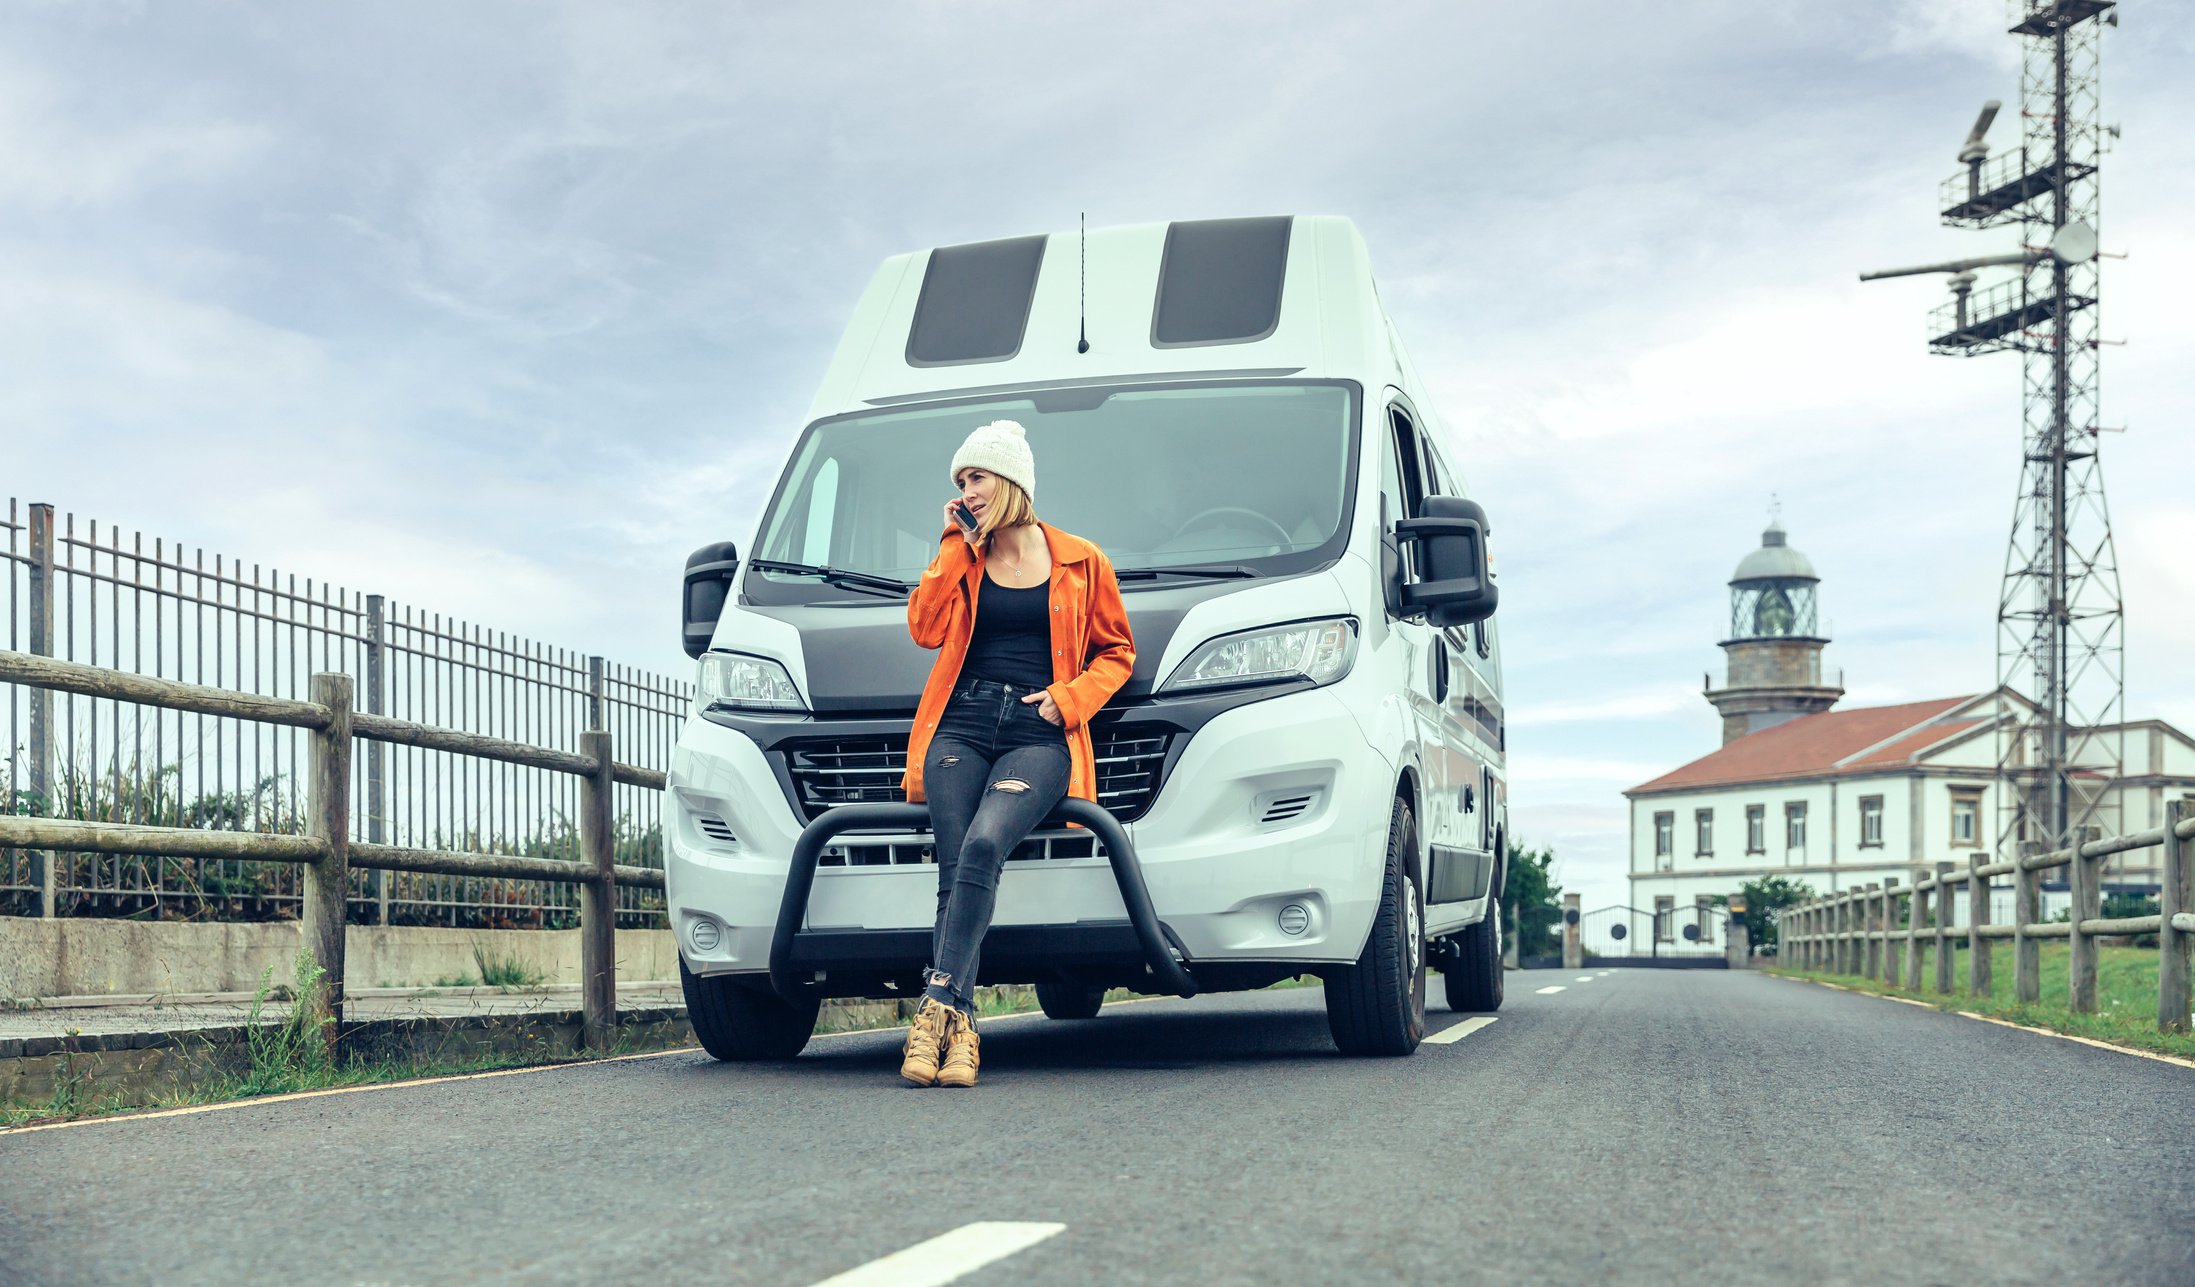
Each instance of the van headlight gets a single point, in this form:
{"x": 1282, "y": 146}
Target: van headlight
{"x": 1319, "y": 651}
{"x": 747, "y": 683}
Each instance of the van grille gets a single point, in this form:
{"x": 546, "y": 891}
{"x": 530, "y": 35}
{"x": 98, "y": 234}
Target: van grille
{"x": 828, "y": 772}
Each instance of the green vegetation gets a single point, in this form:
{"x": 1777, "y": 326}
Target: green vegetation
{"x": 2126, "y": 994}
{"x": 1531, "y": 904}
{"x": 504, "y": 972}
{"x": 294, "y": 1053}
{"x": 1766, "y": 898}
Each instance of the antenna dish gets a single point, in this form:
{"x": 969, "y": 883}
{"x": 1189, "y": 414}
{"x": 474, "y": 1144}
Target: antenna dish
{"x": 1975, "y": 149}
{"x": 2074, "y": 244}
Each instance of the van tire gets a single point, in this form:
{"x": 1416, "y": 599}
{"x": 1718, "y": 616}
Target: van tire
{"x": 1472, "y": 972}
{"x": 1069, "y": 1000}
{"x": 1377, "y": 1006}
{"x": 742, "y": 1024}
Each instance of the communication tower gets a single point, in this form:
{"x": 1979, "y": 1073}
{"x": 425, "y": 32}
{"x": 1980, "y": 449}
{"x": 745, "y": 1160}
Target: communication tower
{"x": 2060, "y": 629}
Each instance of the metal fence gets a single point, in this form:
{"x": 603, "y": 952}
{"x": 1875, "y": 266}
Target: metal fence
{"x": 78, "y": 590}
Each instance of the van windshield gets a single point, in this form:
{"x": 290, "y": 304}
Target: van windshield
{"x": 1248, "y": 475}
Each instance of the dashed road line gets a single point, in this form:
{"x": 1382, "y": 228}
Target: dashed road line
{"x": 947, "y": 1257}
{"x": 1586, "y": 978}
{"x": 1457, "y": 1032}
{"x": 1550, "y": 990}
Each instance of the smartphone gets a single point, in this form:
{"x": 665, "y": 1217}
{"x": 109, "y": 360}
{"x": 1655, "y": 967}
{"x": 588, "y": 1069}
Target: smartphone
{"x": 965, "y": 517}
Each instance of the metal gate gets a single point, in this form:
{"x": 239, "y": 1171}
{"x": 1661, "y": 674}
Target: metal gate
{"x": 1680, "y": 937}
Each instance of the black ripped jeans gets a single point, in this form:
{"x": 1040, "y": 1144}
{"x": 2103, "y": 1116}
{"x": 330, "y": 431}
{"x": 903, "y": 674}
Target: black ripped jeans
{"x": 987, "y": 740}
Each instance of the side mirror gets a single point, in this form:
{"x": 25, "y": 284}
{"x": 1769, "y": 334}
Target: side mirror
{"x": 1451, "y": 540}
{"x": 709, "y": 572}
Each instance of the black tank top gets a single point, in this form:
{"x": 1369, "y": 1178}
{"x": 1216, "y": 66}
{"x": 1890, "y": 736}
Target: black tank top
{"x": 1012, "y": 643}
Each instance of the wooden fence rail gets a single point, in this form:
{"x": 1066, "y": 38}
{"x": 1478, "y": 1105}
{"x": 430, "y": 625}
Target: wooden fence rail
{"x": 1853, "y": 931}
{"x": 326, "y": 851}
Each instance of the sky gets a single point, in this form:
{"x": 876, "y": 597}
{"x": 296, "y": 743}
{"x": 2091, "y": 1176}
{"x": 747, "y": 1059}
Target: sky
{"x": 501, "y": 309}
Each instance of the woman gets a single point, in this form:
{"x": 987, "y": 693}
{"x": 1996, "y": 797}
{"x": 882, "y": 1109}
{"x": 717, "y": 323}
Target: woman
{"x": 1002, "y": 732}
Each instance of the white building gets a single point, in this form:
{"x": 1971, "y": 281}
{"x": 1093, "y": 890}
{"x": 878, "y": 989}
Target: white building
{"x": 1836, "y": 799}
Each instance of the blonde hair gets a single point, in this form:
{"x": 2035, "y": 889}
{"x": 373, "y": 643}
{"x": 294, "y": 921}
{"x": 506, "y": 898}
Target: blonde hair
{"x": 1010, "y": 507}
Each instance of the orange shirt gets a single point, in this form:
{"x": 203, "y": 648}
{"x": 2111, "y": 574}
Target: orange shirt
{"x": 1093, "y": 652}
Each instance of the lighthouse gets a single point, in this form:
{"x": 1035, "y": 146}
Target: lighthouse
{"x": 1774, "y": 648}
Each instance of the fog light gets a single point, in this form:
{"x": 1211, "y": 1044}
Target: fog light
{"x": 706, "y": 934}
{"x": 1294, "y": 918}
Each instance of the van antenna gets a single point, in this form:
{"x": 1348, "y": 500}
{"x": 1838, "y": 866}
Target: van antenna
{"x": 1082, "y": 243}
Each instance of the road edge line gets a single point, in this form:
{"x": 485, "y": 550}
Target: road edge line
{"x": 2174, "y": 1060}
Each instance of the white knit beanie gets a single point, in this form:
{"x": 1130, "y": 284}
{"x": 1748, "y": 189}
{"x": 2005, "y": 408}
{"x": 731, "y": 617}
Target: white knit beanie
{"x": 1002, "y": 447}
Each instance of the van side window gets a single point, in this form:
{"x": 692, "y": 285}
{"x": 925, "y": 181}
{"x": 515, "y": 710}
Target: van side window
{"x": 1390, "y": 482}
{"x": 1408, "y": 461}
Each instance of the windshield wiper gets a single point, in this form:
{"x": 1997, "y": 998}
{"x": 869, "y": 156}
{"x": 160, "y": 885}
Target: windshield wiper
{"x": 1217, "y": 571}
{"x": 840, "y": 577}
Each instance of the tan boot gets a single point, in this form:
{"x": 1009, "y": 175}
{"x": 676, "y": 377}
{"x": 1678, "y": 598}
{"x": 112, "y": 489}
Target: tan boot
{"x": 961, "y": 1058}
{"x": 925, "y": 1042}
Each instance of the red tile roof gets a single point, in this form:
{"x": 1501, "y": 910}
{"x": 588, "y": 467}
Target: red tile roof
{"x": 1812, "y": 746}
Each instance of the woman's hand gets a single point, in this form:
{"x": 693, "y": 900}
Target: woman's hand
{"x": 952, "y": 520}
{"x": 1046, "y": 707}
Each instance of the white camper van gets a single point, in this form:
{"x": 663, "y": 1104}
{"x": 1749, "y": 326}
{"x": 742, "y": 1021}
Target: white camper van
{"x": 1305, "y": 773}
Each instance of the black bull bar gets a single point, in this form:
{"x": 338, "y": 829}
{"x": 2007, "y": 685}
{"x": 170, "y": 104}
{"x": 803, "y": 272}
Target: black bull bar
{"x": 791, "y": 981}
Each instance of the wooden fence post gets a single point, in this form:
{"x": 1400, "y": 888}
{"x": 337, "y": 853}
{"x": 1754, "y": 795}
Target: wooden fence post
{"x": 2173, "y": 945}
{"x": 328, "y": 878}
{"x": 1912, "y": 932}
{"x": 1977, "y": 915}
{"x": 1871, "y": 948}
{"x": 1891, "y": 954}
{"x": 1852, "y": 949}
{"x": 2080, "y": 973}
{"x": 2027, "y": 909}
{"x": 598, "y": 898}
{"x": 1943, "y": 938}
{"x": 43, "y": 861}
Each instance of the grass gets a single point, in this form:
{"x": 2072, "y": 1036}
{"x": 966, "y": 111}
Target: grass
{"x": 2126, "y": 995}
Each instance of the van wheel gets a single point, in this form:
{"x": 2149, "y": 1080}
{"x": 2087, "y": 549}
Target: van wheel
{"x": 1377, "y": 1006}
{"x": 1069, "y": 1001}
{"x": 739, "y": 1023}
{"x": 1472, "y": 972}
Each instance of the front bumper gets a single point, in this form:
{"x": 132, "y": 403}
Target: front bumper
{"x": 1266, "y": 843}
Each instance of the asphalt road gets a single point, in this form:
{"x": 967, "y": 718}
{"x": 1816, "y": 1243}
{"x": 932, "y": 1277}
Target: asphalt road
{"x": 1648, "y": 1126}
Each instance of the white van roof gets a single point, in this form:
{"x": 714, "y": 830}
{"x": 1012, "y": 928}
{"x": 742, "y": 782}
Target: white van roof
{"x": 1274, "y": 296}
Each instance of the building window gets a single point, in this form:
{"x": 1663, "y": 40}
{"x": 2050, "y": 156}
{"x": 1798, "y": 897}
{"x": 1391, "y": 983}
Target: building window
{"x": 1665, "y": 838}
{"x": 1871, "y": 822}
{"x": 1756, "y": 828}
{"x": 1703, "y": 917}
{"x": 1665, "y": 915}
{"x": 1794, "y": 827}
{"x": 1966, "y": 817}
{"x": 1703, "y": 827}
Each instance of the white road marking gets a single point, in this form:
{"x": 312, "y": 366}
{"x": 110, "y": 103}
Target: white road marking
{"x": 1606, "y": 973}
{"x": 947, "y": 1257}
{"x": 1550, "y": 990}
{"x": 1586, "y": 978}
{"x": 1459, "y": 1031}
